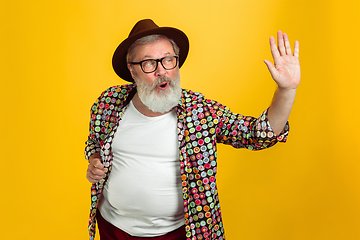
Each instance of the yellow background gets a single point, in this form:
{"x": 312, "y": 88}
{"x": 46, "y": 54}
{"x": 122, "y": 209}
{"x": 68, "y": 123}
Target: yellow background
{"x": 55, "y": 59}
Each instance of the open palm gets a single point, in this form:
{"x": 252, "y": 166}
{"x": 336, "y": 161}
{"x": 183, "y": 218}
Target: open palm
{"x": 286, "y": 68}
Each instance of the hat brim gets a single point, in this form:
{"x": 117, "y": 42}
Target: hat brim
{"x": 119, "y": 58}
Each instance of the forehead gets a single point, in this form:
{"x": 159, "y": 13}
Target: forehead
{"x": 155, "y": 49}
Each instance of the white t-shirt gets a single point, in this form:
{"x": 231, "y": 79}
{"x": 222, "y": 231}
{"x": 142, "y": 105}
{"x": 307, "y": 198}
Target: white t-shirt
{"x": 143, "y": 195}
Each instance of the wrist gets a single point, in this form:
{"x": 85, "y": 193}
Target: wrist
{"x": 287, "y": 91}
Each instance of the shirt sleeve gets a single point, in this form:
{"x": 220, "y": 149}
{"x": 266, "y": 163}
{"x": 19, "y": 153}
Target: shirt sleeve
{"x": 92, "y": 143}
{"x": 247, "y": 132}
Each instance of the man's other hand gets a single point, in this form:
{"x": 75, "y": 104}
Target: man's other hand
{"x": 96, "y": 170}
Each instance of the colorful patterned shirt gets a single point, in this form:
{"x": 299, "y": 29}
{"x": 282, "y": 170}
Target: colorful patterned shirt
{"x": 201, "y": 124}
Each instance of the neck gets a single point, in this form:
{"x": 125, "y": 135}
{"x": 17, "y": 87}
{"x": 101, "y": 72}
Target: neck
{"x": 138, "y": 104}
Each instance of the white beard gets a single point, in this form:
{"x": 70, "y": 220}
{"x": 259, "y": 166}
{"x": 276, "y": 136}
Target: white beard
{"x": 162, "y": 101}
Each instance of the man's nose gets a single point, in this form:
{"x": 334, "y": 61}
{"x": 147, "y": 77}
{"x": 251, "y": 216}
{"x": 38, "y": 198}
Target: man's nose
{"x": 160, "y": 71}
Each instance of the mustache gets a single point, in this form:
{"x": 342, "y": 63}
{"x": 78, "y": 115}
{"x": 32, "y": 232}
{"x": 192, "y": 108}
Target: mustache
{"x": 161, "y": 80}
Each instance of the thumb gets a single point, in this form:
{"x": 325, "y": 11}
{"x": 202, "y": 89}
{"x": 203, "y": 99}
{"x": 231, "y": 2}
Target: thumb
{"x": 271, "y": 68}
{"x": 97, "y": 164}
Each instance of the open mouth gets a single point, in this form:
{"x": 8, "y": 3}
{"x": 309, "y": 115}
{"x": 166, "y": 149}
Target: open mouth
{"x": 163, "y": 85}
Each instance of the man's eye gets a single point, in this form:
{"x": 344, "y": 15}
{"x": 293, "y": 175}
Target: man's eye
{"x": 149, "y": 63}
{"x": 169, "y": 59}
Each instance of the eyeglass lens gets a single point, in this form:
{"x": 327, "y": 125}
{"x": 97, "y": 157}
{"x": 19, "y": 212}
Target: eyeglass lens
{"x": 167, "y": 62}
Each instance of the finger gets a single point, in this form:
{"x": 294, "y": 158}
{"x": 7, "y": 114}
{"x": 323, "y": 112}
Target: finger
{"x": 296, "y": 49}
{"x": 274, "y": 50}
{"x": 98, "y": 172}
{"x": 287, "y": 44}
{"x": 95, "y": 176}
{"x": 281, "y": 45}
{"x": 90, "y": 179}
{"x": 96, "y": 168}
{"x": 95, "y": 172}
{"x": 99, "y": 165}
{"x": 96, "y": 163}
{"x": 93, "y": 179}
{"x": 271, "y": 67}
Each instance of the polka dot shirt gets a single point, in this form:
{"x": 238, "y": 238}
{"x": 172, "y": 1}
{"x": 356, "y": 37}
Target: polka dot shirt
{"x": 202, "y": 123}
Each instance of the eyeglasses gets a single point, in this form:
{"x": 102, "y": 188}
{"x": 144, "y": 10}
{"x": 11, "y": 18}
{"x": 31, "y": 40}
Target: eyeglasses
{"x": 150, "y": 65}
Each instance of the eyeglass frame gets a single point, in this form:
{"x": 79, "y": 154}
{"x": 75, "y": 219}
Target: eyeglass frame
{"x": 157, "y": 63}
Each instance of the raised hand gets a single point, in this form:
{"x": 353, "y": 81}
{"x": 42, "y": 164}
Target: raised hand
{"x": 286, "y": 68}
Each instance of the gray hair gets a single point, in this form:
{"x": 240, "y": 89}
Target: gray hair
{"x": 148, "y": 39}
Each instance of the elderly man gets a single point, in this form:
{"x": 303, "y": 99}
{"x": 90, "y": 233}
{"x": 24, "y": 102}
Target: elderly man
{"x": 152, "y": 145}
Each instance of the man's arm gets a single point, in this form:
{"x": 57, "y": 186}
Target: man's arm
{"x": 286, "y": 73}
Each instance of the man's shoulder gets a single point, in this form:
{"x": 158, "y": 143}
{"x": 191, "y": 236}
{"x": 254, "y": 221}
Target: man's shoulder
{"x": 195, "y": 98}
{"x": 190, "y": 94}
{"x": 115, "y": 95}
{"x": 192, "y": 98}
{"x": 118, "y": 90}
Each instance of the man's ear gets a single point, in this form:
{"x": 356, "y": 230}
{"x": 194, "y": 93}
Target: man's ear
{"x": 131, "y": 69}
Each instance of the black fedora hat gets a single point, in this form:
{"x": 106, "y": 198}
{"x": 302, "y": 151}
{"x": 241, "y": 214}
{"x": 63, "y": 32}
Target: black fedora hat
{"x": 141, "y": 29}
